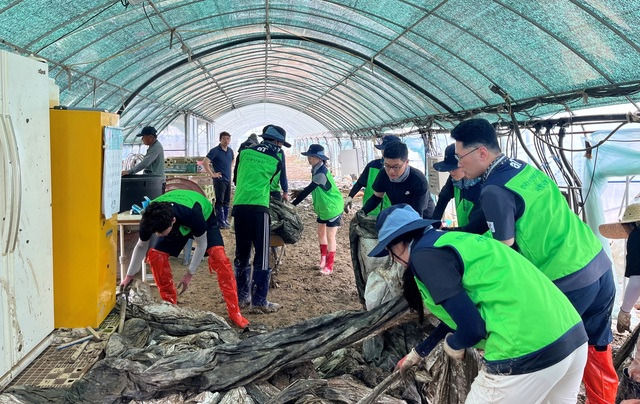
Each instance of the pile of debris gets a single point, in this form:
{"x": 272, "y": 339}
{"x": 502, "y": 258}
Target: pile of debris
{"x": 168, "y": 354}
{"x": 378, "y": 280}
{"x": 285, "y": 221}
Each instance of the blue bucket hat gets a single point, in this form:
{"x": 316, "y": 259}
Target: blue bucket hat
{"x": 148, "y": 130}
{"x": 386, "y": 140}
{"x": 393, "y": 222}
{"x": 316, "y": 150}
{"x": 450, "y": 162}
{"x": 275, "y": 133}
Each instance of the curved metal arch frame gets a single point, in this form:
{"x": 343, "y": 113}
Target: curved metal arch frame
{"x": 324, "y": 60}
{"x": 169, "y": 118}
{"x": 185, "y": 92}
{"x": 497, "y": 50}
{"x": 422, "y": 77}
{"x": 383, "y": 78}
{"x": 258, "y": 75}
{"x": 108, "y": 95}
{"x": 357, "y": 118}
{"x": 343, "y": 5}
{"x": 323, "y": 120}
{"x": 121, "y": 28}
{"x": 373, "y": 60}
{"x": 244, "y": 89}
{"x": 328, "y": 118}
{"x": 557, "y": 38}
{"x": 607, "y": 24}
{"x": 441, "y": 90}
{"x": 279, "y": 36}
{"x": 390, "y": 99}
{"x": 346, "y": 106}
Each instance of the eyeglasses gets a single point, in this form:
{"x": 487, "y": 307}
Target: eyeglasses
{"x": 465, "y": 155}
{"x": 393, "y": 168}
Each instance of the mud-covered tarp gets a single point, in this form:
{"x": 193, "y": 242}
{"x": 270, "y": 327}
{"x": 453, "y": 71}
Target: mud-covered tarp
{"x": 139, "y": 366}
{"x": 285, "y": 221}
{"x": 378, "y": 280}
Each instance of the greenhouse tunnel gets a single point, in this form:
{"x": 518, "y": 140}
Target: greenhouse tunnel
{"x": 355, "y": 68}
{"x": 558, "y": 79}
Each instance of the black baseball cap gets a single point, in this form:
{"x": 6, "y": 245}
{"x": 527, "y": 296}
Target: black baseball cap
{"x": 148, "y": 130}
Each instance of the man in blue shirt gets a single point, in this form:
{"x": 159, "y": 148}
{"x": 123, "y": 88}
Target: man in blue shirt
{"x": 221, "y": 157}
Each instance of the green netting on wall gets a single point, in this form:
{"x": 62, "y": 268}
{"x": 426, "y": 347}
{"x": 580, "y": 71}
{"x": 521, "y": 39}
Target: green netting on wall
{"x": 351, "y": 65}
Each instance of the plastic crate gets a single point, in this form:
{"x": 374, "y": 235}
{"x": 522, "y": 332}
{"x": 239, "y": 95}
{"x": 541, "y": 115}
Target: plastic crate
{"x": 181, "y": 168}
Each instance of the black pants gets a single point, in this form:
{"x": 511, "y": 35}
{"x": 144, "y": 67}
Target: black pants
{"x": 223, "y": 192}
{"x": 252, "y": 229}
{"x": 174, "y": 242}
{"x": 594, "y": 303}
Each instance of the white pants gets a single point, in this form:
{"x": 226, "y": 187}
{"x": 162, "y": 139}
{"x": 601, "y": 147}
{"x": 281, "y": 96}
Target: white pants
{"x": 556, "y": 384}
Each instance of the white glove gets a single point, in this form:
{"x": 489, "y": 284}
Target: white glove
{"x": 457, "y": 354}
{"x": 624, "y": 321}
{"x": 409, "y": 360}
{"x": 347, "y": 204}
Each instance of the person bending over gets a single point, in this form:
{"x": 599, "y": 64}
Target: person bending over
{"x": 467, "y": 281}
{"x": 176, "y": 217}
{"x": 525, "y": 210}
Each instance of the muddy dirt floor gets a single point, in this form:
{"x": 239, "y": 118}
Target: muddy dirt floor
{"x": 302, "y": 291}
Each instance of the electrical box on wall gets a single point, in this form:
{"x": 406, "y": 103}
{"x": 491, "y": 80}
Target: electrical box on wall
{"x": 436, "y": 178}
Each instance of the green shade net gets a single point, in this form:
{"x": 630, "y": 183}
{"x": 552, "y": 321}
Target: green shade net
{"x": 353, "y": 66}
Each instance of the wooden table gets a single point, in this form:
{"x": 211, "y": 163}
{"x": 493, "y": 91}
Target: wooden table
{"x": 127, "y": 219}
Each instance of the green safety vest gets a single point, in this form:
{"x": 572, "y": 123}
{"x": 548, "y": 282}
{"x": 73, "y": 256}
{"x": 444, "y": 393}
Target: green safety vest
{"x": 368, "y": 192}
{"x": 275, "y": 183}
{"x": 188, "y": 199}
{"x": 523, "y": 311}
{"x": 327, "y": 204}
{"x": 256, "y": 170}
{"x": 561, "y": 243}
{"x": 463, "y": 207}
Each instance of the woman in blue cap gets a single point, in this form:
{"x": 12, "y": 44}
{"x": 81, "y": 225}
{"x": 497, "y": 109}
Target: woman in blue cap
{"x": 327, "y": 203}
{"x": 487, "y": 296}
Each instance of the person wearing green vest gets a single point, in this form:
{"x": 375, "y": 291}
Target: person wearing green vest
{"x": 280, "y": 184}
{"x": 176, "y": 217}
{"x": 467, "y": 281}
{"x": 401, "y": 182}
{"x": 525, "y": 210}
{"x": 257, "y": 167}
{"x": 465, "y": 193}
{"x": 327, "y": 203}
{"x": 368, "y": 177}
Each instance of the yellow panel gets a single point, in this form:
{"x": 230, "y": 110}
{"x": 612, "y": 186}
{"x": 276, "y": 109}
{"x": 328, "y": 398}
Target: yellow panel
{"x": 84, "y": 242}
